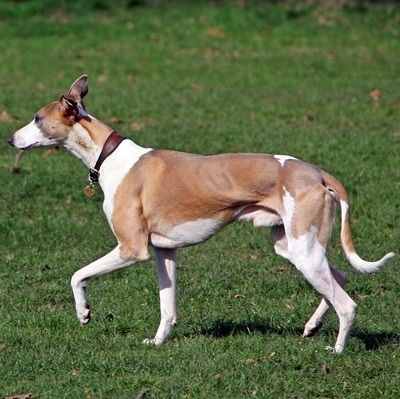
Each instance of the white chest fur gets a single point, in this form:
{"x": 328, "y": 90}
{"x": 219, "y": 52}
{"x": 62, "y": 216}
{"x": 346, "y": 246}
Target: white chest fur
{"x": 115, "y": 168}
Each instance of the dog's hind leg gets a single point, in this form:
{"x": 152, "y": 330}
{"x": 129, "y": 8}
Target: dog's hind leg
{"x": 320, "y": 277}
{"x": 279, "y": 241}
{"x": 167, "y": 279}
{"x": 310, "y": 227}
{"x": 108, "y": 263}
{"x": 317, "y": 319}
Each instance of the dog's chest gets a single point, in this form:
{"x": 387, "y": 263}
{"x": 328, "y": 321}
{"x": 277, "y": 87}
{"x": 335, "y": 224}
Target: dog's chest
{"x": 114, "y": 170}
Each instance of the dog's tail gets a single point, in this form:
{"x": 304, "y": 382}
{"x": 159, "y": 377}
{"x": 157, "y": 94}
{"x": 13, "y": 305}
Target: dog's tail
{"x": 359, "y": 264}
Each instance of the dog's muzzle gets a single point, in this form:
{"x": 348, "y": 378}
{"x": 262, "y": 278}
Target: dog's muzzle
{"x": 11, "y": 141}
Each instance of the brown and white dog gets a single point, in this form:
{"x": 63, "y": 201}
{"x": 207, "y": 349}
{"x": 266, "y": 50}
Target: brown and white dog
{"x": 169, "y": 200}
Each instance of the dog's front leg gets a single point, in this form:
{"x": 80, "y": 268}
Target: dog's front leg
{"x": 166, "y": 268}
{"x": 108, "y": 263}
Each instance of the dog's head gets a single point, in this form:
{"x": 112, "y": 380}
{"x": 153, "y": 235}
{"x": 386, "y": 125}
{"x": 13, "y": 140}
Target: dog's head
{"x": 52, "y": 124}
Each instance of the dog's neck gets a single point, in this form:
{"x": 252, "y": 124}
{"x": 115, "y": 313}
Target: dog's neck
{"x": 86, "y": 140}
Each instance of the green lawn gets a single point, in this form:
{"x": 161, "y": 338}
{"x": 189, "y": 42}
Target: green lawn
{"x": 318, "y": 83}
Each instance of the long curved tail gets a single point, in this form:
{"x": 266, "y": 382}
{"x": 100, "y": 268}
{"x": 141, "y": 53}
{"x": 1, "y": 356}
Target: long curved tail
{"x": 359, "y": 264}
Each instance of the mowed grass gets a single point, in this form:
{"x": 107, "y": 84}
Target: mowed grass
{"x": 319, "y": 83}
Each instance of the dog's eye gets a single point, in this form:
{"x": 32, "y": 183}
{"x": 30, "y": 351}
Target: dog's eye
{"x": 37, "y": 118}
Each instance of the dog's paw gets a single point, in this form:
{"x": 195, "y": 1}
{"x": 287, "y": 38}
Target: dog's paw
{"x": 310, "y": 331}
{"x": 83, "y": 315}
{"x": 156, "y": 341}
{"x": 330, "y": 349}
{"x": 334, "y": 350}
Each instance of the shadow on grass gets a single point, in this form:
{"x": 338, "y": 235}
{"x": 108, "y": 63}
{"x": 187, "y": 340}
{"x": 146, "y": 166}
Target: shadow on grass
{"x": 223, "y": 328}
{"x": 375, "y": 341}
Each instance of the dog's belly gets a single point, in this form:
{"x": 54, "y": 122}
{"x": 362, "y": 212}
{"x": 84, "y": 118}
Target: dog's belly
{"x": 186, "y": 234}
{"x": 200, "y": 230}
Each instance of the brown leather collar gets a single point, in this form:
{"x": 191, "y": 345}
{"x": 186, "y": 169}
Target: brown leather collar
{"x": 111, "y": 144}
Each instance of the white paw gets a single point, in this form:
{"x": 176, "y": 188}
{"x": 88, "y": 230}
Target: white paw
{"x": 334, "y": 350}
{"x": 311, "y": 330}
{"x": 156, "y": 341}
{"x": 330, "y": 349}
{"x": 83, "y": 314}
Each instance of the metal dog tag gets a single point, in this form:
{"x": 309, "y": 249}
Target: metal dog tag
{"x": 89, "y": 191}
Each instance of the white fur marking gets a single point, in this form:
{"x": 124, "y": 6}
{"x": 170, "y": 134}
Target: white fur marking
{"x": 345, "y": 208}
{"x": 79, "y": 139}
{"x": 289, "y": 206}
{"x": 364, "y": 266}
{"x": 30, "y": 136}
{"x": 283, "y": 158}
{"x": 196, "y": 231}
{"x": 188, "y": 233}
{"x": 115, "y": 168}
{"x": 308, "y": 251}
{"x": 260, "y": 217}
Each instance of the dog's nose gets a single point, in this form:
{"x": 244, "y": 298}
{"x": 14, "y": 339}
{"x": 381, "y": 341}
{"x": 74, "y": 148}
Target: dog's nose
{"x": 11, "y": 140}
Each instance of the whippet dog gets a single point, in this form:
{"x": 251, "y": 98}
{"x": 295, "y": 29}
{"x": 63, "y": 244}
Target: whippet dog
{"x": 168, "y": 200}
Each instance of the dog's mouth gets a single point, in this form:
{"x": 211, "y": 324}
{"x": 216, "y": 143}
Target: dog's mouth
{"x": 15, "y": 144}
{"x": 29, "y": 147}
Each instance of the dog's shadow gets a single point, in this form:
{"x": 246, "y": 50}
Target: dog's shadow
{"x": 221, "y": 328}
{"x": 375, "y": 341}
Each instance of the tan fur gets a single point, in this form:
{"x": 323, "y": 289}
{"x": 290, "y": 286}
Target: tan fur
{"x": 162, "y": 187}
{"x": 333, "y": 183}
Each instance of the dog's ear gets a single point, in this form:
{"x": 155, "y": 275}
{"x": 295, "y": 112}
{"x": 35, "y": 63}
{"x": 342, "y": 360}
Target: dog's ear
{"x": 79, "y": 89}
{"x": 69, "y": 108}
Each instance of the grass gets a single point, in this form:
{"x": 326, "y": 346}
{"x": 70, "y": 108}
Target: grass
{"x": 208, "y": 78}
